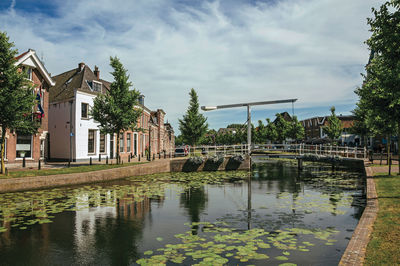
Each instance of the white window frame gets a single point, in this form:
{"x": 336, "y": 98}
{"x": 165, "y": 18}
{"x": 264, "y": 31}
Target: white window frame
{"x": 105, "y": 144}
{"x": 94, "y": 141}
{"x": 98, "y": 83}
{"x": 16, "y": 143}
{"x": 121, "y": 143}
{"x": 87, "y": 111}
{"x": 128, "y": 142}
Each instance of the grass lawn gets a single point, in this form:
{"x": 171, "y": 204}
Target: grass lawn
{"x": 384, "y": 246}
{"x": 71, "y": 170}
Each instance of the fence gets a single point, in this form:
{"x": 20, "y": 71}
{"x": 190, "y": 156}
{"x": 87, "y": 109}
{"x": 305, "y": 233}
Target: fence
{"x": 291, "y": 149}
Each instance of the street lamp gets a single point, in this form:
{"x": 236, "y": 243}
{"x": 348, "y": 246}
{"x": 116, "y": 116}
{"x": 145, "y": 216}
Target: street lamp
{"x": 211, "y": 108}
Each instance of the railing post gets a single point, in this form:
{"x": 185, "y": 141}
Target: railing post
{"x": 365, "y": 152}
{"x": 347, "y": 152}
{"x": 316, "y": 149}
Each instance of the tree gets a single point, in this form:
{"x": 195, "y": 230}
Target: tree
{"x": 296, "y": 130}
{"x": 282, "y": 127}
{"x": 17, "y": 99}
{"x": 116, "y": 110}
{"x": 334, "y": 127}
{"x": 271, "y": 132}
{"x": 193, "y": 126}
{"x": 380, "y": 93}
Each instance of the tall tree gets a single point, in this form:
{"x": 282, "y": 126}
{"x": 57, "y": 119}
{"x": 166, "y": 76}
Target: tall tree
{"x": 17, "y": 99}
{"x": 334, "y": 127}
{"x": 282, "y": 127}
{"x": 296, "y": 130}
{"x": 116, "y": 110}
{"x": 193, "y": 125}
{"x": 271, "y": 132}
{"x": 380, "y": 94}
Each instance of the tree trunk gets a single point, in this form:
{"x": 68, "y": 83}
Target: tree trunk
{"x": 398, "y": 146}
{"x": 389, "y": 157}
{"x": 3, "y": 141}
{"x": 117, "y": 153}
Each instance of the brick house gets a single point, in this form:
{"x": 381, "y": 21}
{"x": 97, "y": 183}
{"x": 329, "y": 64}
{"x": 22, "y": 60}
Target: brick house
{"x": 314, "y": 132}
{"x": 74, "y": 134}
{"x": 32, "y": 147}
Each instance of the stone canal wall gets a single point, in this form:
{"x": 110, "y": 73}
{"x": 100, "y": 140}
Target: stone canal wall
{"x": 159, "y": 166}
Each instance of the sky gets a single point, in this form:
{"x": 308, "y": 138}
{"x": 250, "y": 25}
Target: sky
{"x": 229, "y": 51}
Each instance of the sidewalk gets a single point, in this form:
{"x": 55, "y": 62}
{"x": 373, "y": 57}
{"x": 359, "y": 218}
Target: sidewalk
{"x": 57, "y": 165}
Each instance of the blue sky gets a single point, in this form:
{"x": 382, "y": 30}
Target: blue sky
{"x": 229, "y": 51}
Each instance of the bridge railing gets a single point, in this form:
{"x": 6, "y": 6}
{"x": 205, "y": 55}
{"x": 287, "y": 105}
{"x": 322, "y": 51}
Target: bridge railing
{"x": 295, "y": 149}
{"x": 317, "y": 149}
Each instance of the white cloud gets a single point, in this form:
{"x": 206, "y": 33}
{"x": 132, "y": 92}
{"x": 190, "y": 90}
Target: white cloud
{"x": 312, "y": 50}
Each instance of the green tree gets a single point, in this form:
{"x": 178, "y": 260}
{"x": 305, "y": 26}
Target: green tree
{"x": 282, "y": 128}
{"x": 16, "y": 96}
{"x": 193, "y": 126}
{"x": 334, "y": 127}
{"x": 116, "y": 110}
{"x": 271, "y": 132}
{"x": 296, "y": 130}
{"x": 179, "y": 140}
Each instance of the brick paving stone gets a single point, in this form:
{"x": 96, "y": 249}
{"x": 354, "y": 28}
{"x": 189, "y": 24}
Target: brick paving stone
{"x": 355, "y": 251}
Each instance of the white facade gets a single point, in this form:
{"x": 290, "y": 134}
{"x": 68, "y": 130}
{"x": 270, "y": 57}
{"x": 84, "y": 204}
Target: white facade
{"x": 59, "y": 127}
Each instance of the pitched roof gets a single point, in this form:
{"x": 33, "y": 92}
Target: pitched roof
{"x": 30, "y": 58}
{"x": 79, "y": 79}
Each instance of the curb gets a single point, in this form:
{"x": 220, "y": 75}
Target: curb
{"x": 356, "y": 249}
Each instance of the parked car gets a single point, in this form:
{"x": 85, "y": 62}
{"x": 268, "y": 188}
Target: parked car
{"x": 181, "y": 152}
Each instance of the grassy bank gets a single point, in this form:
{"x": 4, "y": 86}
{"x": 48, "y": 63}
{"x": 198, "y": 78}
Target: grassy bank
{"x": 383, "y": 248}
{"x": 60, "y": 171}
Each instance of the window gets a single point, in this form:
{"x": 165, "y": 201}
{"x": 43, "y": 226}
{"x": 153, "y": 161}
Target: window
{"x": 128, "y": 142}
{"x": 135, "y": 144}
{"x": 102, "y": 143}
{"x": 84, "y": 110}
{"x": 91, "y": 141}
{"x": 121, "y": 142}
{"x": 24, "y": 146}
{"x": 28, "y": 72}
{"x": 42, "y": 148}
{"x": 96, "y": 86}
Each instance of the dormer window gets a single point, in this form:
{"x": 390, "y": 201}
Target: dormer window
{"x": 96, "y": 86}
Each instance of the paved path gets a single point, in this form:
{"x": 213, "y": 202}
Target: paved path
{"x": 356, "y": 249}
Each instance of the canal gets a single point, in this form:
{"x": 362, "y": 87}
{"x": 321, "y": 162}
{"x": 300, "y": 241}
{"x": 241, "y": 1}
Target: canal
{"x": 270, "y": 216}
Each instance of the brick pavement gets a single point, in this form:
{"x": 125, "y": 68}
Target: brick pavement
{"x": 355, "y": 251}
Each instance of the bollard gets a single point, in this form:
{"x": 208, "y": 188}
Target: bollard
{"x": 6, "y": 171}
{"x": 154, "y": 156}
{"x": 122, "y": 162}
{"x": 39, "y": 166}
{"x": 23, "y": 162}
{"x": 129, "y": 159}
{"x": 69, "y": 163}
{"x": 139, "y": 158}
{"x": 99, "y": 157}
{"x": 159, "y": 156}
{"x": 90, "y": 161}
{"x": 165, "y": 155}
{"x": 106, "y": 159}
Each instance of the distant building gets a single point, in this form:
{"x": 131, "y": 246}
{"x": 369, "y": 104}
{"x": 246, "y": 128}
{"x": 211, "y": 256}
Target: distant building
{"x": 32, "y": 147}
{"x": 314, "y": 130}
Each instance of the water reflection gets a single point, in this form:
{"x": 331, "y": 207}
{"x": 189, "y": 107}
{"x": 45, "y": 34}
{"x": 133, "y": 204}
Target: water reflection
{"x": 115, "y": 223}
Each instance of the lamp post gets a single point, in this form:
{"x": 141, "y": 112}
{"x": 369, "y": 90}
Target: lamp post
{"x": 248, "y": 105}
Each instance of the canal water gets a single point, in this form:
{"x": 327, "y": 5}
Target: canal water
{"x": 273, "y": 215}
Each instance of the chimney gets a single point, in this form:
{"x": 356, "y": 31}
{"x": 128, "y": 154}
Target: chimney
{"x": 81, "y": 66}
{"x": 141, "y": 99}
{"x": 96, "y": 72}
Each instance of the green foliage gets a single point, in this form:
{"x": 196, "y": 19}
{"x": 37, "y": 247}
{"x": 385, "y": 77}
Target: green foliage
{"x": 116, "y": 110}
{"x": 334, "y": 127}
{"x": 282, "y": 128}
{"x": 17, "y": 99}
{"x": 179, "y": 140}
{"x": 379, "y": 103}
{"x": 296, "y": 130}
{"x": 193, "y": 126}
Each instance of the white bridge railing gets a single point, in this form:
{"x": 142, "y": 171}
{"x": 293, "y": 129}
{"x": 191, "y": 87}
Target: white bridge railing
{"x": 289, "y": 149}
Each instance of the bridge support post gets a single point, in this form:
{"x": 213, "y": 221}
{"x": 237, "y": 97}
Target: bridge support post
{"x": 299, "y": 163}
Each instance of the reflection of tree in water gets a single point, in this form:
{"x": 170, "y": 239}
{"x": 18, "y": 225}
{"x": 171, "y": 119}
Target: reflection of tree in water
{"x": 194, "y": 200}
